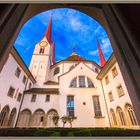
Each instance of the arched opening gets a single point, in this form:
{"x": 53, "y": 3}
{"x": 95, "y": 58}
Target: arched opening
{"x": 4, "y": 116}
{"x": 81, "y": 82}
{"x": 12, "y": 117}
{"x": 130, "y": 115}
{"x": 50, "y": 122}
{"x": 113, "y": 117}
{"x": 120, "y": 117}
{"x": 24, "y": 118}
{"x": 38, "y": 118}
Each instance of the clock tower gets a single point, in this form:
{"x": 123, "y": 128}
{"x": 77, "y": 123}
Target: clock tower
{"x": 41, "y": 58}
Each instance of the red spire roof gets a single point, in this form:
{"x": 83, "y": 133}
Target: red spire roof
{"x": 102, "y": 59}
{"x": 49, "y": 32}
{"x": 53, "y": 53}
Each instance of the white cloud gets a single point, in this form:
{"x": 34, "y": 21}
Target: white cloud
{"x": 96, "y": 30}
{"x": 93, "y": 52}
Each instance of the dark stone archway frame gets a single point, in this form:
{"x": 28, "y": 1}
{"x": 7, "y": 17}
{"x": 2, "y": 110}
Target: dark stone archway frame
{"x": 123, "y": 39}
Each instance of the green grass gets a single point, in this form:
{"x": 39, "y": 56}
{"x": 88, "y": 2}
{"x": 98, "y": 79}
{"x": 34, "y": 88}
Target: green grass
{"x": 68, "y": 132}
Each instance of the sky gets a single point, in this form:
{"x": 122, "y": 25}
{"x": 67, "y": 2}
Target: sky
{"x": 69, "y": 27}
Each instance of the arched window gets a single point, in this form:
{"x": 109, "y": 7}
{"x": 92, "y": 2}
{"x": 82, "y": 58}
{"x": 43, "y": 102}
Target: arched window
{"x": 50, "y": 121}
{"x": 121, "y": 116}
{"x": 74, "y": 82}
{"x": 113, "y": 117}
{"x": 56, "y": 71}
{"x": 24, "y": 119}
{"x": 81, "y": 81}
{"x": 38, "y": 118}
{"x": 4, "y": 116}
{"x": 12, "y": 117}
{"x": 41, "y": 51}
{"x": 89, "y": 82}
{"x": 130, "y": 115}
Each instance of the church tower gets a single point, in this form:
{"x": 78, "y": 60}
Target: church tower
{"x": 102, "y": 58}
{"x": 42, "y": 57}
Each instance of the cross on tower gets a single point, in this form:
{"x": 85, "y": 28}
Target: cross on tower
{"x": 74, "y": 48}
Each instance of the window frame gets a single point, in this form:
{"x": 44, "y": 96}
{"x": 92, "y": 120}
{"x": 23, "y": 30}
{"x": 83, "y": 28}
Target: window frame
{"x": 97, "y": 109}
{"x": 107, "y": 80}
{"x": 17, "y": 72}
{"x": 19, "y": 97}
{"x": 110, "y": 95}
{"x": 11, "y": 87}
{"x": 33, "y": 98}
{"x": 120, "y": 92}
{"x": 114, "y": 72}
{"x": 71, "y": 108}
{"x": 46, "y": 99}
{"x": 24, "y": 79}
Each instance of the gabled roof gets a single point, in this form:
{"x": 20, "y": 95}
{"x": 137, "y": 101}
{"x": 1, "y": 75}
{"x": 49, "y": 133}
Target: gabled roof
{"x": 51, "y": 83}
{"x": 75, "y": 57}
{"x": 43, "y": 90}
{"x": 74, "y": 68}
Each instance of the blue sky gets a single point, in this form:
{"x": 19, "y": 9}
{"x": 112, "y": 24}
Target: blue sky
{"x": 69, "y": 27}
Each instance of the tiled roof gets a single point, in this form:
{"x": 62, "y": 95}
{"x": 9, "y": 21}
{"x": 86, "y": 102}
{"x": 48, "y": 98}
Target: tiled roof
{"x": 51, "y": 83}
{"x": 43, "y": 90}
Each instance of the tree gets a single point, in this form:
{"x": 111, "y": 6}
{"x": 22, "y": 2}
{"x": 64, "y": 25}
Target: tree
{"x": 55, "y": 119}
{"x": 70, "y": 119}
{"x": 64, "y": 120}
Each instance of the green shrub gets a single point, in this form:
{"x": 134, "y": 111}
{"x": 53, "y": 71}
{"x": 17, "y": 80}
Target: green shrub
{"x": 83, "y": 132}
{"x": 68, "y": 132}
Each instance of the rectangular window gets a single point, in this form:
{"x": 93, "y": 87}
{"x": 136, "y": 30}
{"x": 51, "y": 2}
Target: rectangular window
{"x": 47, "y": 98}
{"x": 114, "y": 72}
{"x": 11, "y": 92}
{"x": 18, "y": 71}
{"x": 82, "y": 81}
{"x": 33, "y": 99}
{"x": 30, "y": 85}
{"x": 19, "y": 97}
{"x": 106, "y": 80}
{"x": 120, "y": 91}
{"x": 110, "y": 96}
{"x": 97, "y": 107}
{"x": 70, "y": 105}
{"x": 24, "y": 79}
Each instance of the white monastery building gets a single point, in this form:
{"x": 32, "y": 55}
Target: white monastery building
{"x": 95, "y": 94}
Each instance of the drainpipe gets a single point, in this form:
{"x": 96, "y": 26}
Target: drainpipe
{"x": 106, "y": 104}
{"x": 21, "y": 101}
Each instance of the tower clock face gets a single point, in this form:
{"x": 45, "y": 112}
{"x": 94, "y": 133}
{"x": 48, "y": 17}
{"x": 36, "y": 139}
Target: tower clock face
{"x": 43, "y": 43}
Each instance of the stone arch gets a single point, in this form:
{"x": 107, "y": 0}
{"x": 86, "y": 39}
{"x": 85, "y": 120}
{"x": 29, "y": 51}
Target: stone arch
{"x": 38, "y": 118}
{"x": 113, "y": 117}
{"x": 130, "y": 115}
{"x": 24, "y": 118}
{"x": 4, "y": 116}
{"x": 12, "y": 117}
{"x": 120, "y": 116}
{"x": 50, "y": 114}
